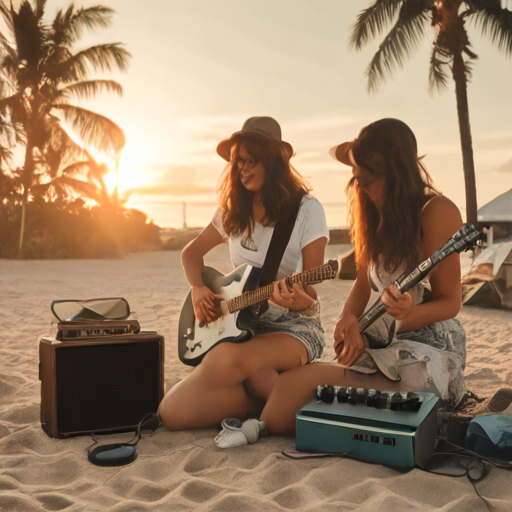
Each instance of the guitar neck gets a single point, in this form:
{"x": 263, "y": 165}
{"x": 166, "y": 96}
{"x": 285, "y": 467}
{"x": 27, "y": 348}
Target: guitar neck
{"x": 462, "y": 240}
{"x": 314, "y": 275}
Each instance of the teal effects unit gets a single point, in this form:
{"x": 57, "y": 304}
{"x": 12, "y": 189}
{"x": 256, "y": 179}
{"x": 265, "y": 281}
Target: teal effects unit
{"x": 358, "y": 424}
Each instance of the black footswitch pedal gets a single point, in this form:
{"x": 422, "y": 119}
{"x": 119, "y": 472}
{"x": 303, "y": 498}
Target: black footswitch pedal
{"x": 393, "y": 400}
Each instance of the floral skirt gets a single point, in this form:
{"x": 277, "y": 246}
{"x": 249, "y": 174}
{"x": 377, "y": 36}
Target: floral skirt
{"x": 441, "y": 346}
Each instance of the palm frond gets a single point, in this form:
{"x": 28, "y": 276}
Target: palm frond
{"x": 61, "y": 140}
{"x": 103, "y": 57}
{"x": 8, "y": 102}
{"x": 94, "y": 129}
{"x": 10, "y": 68}
{"x": 8, "y": 48}
{"x": 20, "y": 134}
{"x": 90, "y": 18}
{"x": 89, "y": 89}
{"x": 85, "y": 188}
{"x": 7, "y": 132}
{"x": 6, "y": 156}
{"x": 75, "y": 169}
{"x": 437, "y": 77}
{"x": 68, "y": 26}
{"x": 402, "y": 40}
{"x": 39, "y": 8}
{"x": 29, "y": 33}
{"x": 494, "y": 21}
{"x": 63, "y": 186}
{"x": 7, "y": 17}
{"x": 372, "y": 21}
{"x": 468, "y": 70}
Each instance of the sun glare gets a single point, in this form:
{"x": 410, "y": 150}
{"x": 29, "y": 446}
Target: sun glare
{"x": 110, "y": 180}
{"x": 129, "y": 176}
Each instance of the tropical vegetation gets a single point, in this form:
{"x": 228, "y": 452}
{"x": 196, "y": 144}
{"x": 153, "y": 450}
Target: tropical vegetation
{"x": 59, "y": 182}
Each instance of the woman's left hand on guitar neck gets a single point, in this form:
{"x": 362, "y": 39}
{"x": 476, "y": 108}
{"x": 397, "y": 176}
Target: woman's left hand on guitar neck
{"x": 295, "y": 298}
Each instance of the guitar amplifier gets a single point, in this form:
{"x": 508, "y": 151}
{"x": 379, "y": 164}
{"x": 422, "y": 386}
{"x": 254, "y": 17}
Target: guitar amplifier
{"x": 393, "y": 437}
{"x": 98, "y": 382}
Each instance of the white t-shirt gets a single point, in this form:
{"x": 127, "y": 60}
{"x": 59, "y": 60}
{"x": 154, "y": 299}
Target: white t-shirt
{"x": 309, "y": 226}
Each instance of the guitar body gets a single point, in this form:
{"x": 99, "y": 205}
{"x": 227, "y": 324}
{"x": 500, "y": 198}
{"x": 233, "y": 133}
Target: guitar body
{"x": 194, "y": 341}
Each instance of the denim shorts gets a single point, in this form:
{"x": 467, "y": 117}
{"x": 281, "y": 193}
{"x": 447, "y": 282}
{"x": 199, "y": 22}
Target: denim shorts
{"x": 307, "y": 330}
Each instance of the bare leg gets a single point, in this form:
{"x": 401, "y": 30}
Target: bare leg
{"x": 261, "y": 383}
{"x": 215, "y": 389}
{"x": 296, "y": 388}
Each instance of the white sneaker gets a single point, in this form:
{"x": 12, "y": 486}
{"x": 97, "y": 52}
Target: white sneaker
{"x": 235, "y": 433}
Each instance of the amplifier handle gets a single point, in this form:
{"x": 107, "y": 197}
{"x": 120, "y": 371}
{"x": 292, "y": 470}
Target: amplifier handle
{"x": 64, "y": 328}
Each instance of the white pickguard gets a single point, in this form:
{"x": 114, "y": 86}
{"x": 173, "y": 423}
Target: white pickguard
{"x": 224, "y": 327}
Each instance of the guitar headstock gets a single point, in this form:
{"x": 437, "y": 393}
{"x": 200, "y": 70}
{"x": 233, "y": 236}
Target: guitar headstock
{"x": 333, "y": 268}
{"x": 466, "y": 238}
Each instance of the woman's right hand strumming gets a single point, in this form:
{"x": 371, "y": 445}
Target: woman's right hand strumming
{"x": 348, "y": 343}
{"x": 206, "y": 304}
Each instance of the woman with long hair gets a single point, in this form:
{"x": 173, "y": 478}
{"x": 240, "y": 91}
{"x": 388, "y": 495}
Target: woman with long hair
{"x": 258, "y": 185}
{"x": 397, "y": 220}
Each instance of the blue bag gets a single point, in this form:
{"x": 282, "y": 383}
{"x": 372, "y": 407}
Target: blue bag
{"x": 491, "y": 437}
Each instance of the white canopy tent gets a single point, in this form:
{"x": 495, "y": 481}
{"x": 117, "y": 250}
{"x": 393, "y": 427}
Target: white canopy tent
{"x": 497, "y": 210}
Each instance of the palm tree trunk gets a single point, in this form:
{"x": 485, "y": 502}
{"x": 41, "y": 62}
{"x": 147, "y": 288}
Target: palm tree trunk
{"x": 461, "y": 93}
{"x": 28, "y": 170}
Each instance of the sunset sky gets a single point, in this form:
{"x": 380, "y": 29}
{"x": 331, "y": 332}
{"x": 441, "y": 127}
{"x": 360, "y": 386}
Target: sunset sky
{"x": 201, "y": 67}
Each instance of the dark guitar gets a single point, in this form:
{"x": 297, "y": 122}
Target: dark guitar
{"x": 463, "y": 240}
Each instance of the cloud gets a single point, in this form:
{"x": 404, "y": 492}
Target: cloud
{"x": 174, "y": 180}
{"x": 333, "y": 122}
{"x": 495, "y": 143}
{"x": 314, "y": 168}
{"x": 506, "y": 167}
{"x": 213, "y": 127}
{"x": 170, "y": 189}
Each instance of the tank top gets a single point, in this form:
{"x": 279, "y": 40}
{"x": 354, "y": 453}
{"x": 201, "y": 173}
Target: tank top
{"x": 382, "y": 279}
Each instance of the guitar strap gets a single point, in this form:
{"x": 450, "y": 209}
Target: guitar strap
{"x": 280, "y": 238}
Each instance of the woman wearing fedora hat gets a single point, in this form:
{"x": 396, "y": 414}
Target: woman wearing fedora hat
{"x": 397, "y": 219}
{"x": 258, "y": 185}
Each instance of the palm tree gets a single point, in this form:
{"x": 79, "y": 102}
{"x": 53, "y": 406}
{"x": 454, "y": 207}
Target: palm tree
{"x": 40, "y": 74}
{"x": 451, "y": 52}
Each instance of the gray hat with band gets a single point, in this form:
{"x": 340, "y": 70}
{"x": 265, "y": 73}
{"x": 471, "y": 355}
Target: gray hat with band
{"x": 263, "y": 124}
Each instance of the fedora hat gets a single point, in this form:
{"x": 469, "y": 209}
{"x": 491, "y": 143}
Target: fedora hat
{"x": 341, "y": 152}
{"x": 263, "y": 124}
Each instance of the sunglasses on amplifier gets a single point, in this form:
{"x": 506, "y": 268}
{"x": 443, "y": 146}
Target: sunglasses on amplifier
{"x": 120, "y": 454}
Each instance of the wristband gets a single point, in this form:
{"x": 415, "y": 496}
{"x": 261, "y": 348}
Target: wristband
{"x": 312, "y": 311}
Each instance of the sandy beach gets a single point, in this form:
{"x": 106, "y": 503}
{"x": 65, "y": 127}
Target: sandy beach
{"x": 186, "y": 471}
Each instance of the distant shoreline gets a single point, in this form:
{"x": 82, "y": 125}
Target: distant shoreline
{"x": 175, "y": 239}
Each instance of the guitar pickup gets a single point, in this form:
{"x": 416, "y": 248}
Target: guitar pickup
{"x": 189, "y": 335}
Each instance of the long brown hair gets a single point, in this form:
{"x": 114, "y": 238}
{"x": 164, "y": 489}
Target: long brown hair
{"x": 390, "y": 236}
{"x": 281, "y": 183}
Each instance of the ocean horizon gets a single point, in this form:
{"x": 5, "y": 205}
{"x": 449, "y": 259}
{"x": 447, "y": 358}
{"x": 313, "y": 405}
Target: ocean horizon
{"x": 199, "y": 214}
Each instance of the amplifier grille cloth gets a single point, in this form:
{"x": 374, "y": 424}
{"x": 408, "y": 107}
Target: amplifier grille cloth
{"x": 106, "y": 386}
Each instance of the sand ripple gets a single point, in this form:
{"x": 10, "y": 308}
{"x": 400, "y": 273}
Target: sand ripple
{"x": 185, "y": 471}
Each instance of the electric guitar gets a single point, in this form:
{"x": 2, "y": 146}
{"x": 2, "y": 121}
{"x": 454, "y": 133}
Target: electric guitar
{"x": 239, "y": 290}
{"x": 381, "y": 337}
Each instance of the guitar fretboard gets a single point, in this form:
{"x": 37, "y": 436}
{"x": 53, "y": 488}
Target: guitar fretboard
{"x": 314, "y": 275}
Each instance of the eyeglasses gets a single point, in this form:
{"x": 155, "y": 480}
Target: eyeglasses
{"x": 240, "y": 163}
{"x": 120, "y": 454}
